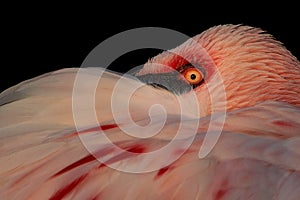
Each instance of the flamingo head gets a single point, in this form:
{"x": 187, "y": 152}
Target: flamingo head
{"x": 227, "y": 66}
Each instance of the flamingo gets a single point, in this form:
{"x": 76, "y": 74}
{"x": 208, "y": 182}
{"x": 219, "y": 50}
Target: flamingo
{"x": 230, "y": 99}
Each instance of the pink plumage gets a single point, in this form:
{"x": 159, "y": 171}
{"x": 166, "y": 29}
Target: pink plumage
{"x": 257, "y": 155}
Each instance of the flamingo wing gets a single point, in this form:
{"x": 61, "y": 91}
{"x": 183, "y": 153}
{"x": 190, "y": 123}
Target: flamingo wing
{"x": 43, "y": 155}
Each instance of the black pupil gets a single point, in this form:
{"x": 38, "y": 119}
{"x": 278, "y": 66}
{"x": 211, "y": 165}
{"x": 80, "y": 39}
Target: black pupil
{"x": 193, "y": 76}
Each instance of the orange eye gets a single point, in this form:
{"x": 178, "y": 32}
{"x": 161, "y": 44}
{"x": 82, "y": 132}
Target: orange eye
{"x": 193, "y": 76}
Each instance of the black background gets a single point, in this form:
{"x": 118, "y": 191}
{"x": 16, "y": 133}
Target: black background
{"x": 46, "y": 39}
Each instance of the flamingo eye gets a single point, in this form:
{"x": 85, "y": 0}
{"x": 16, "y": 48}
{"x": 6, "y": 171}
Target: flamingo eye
{"x": 193, "y": 76}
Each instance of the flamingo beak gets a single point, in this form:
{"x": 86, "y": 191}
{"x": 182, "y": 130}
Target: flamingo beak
{"x": 170, "y": 81}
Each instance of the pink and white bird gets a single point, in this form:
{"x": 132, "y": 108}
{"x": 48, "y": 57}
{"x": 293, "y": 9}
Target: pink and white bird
{"x": 241, "y": 79}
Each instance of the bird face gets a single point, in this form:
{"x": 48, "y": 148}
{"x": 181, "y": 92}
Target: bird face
{"x": 227, "y": 66}
{"x": 179, "y": 81}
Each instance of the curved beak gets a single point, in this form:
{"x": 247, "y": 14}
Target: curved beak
{"x": 169, "y": 81}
